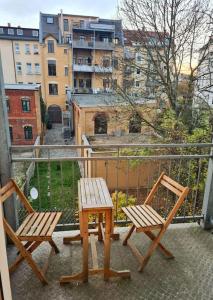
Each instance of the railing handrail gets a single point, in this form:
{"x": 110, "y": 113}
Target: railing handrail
{"x": 119, "y": 146}
{"x": 143, "y": 157}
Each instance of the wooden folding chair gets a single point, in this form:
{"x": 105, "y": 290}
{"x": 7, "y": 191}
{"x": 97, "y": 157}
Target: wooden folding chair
{"x": 35, "y": 229}
{"x": 145, "y": 219}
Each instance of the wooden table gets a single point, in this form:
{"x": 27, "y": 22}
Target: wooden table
{"x": 94, "y": 198}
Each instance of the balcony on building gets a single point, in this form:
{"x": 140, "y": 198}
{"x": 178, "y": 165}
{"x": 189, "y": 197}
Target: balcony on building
{"x": 107, "y": 156}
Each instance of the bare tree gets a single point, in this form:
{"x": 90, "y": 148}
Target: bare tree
{"x": 170, "y": 34}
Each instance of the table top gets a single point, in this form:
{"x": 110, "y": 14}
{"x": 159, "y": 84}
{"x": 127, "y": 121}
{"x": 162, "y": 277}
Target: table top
{"x": 93, "y": 194}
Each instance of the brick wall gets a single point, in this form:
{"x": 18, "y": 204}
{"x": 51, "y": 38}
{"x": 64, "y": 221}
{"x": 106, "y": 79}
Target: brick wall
{"x": 19, "y": 119}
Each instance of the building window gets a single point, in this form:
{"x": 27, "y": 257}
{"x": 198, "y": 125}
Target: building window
{"x": 135, "y": 123}
{"x": 10, "y": 31}
{"x": 49, "y": 20}
{"x": 105, "y": 39}
{"x": 18, "y": 68}
{"x": 29, "y": 68}
{"x": 8, "y": 103}
{"x": 53, "y": 89}
{"x": 27, "y": 48}
{"x": 19, "y": 31}
{"x": 65, "y": 51}
{"x": 82, "y": 38}
{"x": 66, "y": 25}
{"x": 28, "y": 132}
{"x": 137, "y": 83}
{"x": 25, "y": 102}
{"x": 50, "y": 45}
{"x": 138, "y": 71}
{"x": 115, "y": 62}
{"x": 11, "y": 133}
{"x": 106, "y": 83}
{"x": 100, "y": 123}
{"x": 1, "y": 30}
{"x": 35, "y": 32}
{"x": 35, "y": 49}
{"x": 66, "y": 71}
{"x": 17, "y": 49}
{"x": 106, "y": 61}
{"x": 138, "y": 57}
{"x": 37, "y": 68}
{"x": 51, "y": 67}
{"x": 82, "y": 23}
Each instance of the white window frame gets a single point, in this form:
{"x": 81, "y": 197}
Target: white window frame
{"x": 50, "y": 20}
{"x": 35, "y": 33}
{"x": 10, "y": 31}
{"x": 35, "y": 49}
{"x": 27, "y": 48}
{"x": 19, "y": 68}
{"x": 17, "y": 48}
{"x": 37, "y": 68}
{"x": 1, "y": 30}
{"x": 29, "y": 68}
{"x": 19, "y": 31}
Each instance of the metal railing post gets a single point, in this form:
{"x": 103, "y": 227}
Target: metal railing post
{"x": 207, "y": 209}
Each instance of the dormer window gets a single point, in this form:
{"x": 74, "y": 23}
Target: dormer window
{"x": 11, "y": 31}
{"x": 49, "y": 20}
{"x": 19, "y": 31}
{"x": 1, "y": 30}
{"x": 35, "y": 33}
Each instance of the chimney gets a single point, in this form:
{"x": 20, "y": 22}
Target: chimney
{"x": 9, "y": 24}
{"x": 19, "y": 26}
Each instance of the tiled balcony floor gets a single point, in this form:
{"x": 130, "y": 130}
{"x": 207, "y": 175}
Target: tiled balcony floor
{"x": 188, "y": 276}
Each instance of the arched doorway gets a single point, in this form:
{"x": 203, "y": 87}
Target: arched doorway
{"x": 135, "y": 123}
{"x": 100, "y": 123}
{"x": 55, "y": 114}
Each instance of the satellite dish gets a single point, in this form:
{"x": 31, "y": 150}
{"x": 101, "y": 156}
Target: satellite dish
{"x": 34, "y": 193}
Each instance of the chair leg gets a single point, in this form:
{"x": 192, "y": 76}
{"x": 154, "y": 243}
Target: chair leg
{"x": 53, "y": 245}
{"x": 35, "y": 268}
{"x": 160, "y": 246}
{"x": 151, "y": 249}
{"x": 128, "y": 235}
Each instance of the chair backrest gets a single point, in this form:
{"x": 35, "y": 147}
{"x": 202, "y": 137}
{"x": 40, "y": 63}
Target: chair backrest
{"x": 10, "y": 188}
{"x": 174, "y": 187}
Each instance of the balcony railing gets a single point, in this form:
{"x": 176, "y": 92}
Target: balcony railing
{"x": 98, "y": 45}
{"x": 128, "y": 172}
{"x": 90, "y": 69}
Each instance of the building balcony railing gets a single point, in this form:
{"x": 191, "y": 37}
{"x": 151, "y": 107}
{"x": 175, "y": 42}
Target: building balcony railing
{"x": 91, "y": 68}
{"x": 129, "y": 175}
{"x": 98, "y": 45}
{"x": 94, "y": 26}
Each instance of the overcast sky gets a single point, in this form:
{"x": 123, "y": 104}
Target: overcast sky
{"x": 26, "y": 12}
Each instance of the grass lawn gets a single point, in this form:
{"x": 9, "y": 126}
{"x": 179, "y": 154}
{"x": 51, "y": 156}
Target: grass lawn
{"x": 57, "y": 187}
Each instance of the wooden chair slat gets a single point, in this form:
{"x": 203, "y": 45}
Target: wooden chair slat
{"x": 6, "y": 187}
{"x": 48, "y": 223}
{"x": 7, "y": 194}
{"x": 135, "y": 216}
{"x": 170, "y": 187}
{"x": 155, "y": 214}
{"x": 54, "y": 223}
{"x": 42, "y": 223}
{"x": 137, "y": 225}
{"x": 141, "y": 216}
{"x": 35, "y": 224}
{"x": 29, "y": 224}
{"x": 174, "y": 183}
{"x": 157, "y": 220}
{"x": 24, "y": 223}
{"x": 145, "y": 214}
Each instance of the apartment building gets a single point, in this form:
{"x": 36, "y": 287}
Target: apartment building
{"x": 21, "y": 59}
{"x": 80, "y": 53}
{"x": 24, "y": 114}
{"x": 204, "y": 84}
{"x": 140, "y": 77}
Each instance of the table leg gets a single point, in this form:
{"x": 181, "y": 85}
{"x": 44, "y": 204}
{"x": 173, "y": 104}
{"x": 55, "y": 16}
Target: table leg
{"x": 107, "y": 243}
{"x": 100, "y": 220}
{"x": 84, "y": 234}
